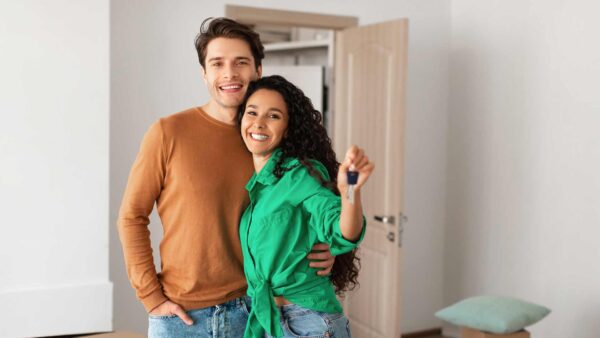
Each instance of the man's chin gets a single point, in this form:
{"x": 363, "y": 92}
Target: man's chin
{"x": 230, "y": 104}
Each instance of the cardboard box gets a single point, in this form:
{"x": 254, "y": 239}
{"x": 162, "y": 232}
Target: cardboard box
{"x": 471, "y": 333}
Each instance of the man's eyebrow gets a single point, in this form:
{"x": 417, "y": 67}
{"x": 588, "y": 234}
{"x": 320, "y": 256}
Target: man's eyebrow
{"x": 219, "y": 58}
{"x": 216, "y": 58}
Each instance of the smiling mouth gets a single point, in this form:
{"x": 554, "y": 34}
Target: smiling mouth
{"x": 258, "y": 137}
{"x": 230, "y": 88}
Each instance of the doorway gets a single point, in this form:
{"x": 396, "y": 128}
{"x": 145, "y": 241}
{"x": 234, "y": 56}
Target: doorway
{"x": 363, "y": 91}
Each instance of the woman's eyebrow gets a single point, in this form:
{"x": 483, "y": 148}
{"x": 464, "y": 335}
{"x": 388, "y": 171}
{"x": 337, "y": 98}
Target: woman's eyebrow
{"x": 276, "y": 109}
{"x": 253, "y": 106}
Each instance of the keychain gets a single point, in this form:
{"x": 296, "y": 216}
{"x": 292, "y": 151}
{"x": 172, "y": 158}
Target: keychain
{"x": 352, "y": 179}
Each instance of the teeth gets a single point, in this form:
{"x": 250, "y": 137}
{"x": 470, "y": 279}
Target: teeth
{"x": 258, "y": 137}
{"x": 231, "y": 87}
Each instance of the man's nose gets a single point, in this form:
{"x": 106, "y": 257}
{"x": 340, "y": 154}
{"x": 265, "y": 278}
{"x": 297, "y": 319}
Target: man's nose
{"x": 230, "y": 71}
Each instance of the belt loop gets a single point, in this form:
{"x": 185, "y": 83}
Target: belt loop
{"x": 280, "y": 308}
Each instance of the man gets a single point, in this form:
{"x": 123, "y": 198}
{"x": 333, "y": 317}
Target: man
{"x": 194, "y": 166}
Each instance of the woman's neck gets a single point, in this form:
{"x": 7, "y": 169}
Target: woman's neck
{"x": 260, "y": 161}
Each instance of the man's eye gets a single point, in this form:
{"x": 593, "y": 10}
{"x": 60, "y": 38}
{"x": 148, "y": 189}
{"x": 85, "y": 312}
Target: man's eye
{"x": 243, "y": 63}
{"x": 216, "y": 64}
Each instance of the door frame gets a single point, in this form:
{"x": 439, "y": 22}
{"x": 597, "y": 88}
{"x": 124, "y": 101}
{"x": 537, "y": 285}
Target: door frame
{"x": 255, "y": 15}
{"x": 266, "y": 16}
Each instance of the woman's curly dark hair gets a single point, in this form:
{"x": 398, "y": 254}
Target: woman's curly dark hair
{"x": 306, "y": 140}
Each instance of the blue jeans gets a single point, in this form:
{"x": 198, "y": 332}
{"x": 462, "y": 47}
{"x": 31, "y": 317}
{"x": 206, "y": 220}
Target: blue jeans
{"x": 297, "y": 321}
{"x": 227, "y": 320}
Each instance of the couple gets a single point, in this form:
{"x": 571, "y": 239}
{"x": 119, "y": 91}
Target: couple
{"x": 240, "y": 215}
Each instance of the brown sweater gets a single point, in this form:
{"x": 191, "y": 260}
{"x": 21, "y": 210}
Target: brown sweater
{"x": 195, "y": 168}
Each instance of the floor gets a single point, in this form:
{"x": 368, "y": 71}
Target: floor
{"x": 435, "y": 333}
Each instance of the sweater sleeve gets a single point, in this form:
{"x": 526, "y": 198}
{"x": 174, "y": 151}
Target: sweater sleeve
{"x": 143, "y": 188}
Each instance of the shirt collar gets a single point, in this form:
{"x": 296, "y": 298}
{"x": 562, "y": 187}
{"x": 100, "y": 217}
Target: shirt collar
{"x": 266, "y": 175}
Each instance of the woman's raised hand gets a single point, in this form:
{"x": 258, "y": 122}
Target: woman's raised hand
{"x": 355, "y": 160}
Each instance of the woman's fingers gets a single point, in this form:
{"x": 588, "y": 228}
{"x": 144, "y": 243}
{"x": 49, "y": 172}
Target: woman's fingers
{"x": 361, "y": 163}
{"x": 365, "y": 172}
{"x": 357, "y": 156}
{"x": 355, "y": 160}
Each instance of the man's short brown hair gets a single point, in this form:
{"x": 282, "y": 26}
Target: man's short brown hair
{"x": 213, "y": 28}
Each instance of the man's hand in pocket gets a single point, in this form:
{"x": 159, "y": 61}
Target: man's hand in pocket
{"x": 168, "y": 308}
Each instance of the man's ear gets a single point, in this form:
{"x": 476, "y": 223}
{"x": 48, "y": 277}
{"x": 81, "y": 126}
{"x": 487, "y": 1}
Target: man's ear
{"x": 259, "y": 71}
{"x": 203, "y": 73}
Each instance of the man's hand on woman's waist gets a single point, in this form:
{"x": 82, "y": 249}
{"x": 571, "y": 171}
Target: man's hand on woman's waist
{"x": 321, "y": 258}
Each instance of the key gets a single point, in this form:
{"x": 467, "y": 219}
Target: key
{"x": 352, "y": 179}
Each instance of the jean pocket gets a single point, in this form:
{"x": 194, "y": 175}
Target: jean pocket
{"x": 161, "y": 316}
{"x": 339, "y": 324}
{"x": 245, "y": 305}
{"x": 348, "y": 329}
{"x": 307, "y": 324}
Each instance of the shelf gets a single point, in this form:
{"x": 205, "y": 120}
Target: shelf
{"x": 294, "y": 45}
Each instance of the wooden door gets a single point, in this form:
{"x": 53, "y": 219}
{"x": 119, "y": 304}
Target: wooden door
{"x": 370, "y": 73}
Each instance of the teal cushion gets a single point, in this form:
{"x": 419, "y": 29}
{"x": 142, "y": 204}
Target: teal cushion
{"x": 499, "y": 315}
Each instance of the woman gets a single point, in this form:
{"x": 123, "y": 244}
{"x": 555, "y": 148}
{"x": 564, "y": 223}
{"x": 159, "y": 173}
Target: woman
{"x": 294, "y": 204}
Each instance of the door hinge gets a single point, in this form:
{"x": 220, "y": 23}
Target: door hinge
{"x": 402, "y": 220}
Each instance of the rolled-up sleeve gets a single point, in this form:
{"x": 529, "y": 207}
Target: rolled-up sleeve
{"x": 324, "y": 208}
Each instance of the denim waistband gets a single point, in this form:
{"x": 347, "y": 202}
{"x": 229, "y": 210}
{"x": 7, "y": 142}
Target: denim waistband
{"x": 235, "y": 302}
{"x": 231, "y": 304}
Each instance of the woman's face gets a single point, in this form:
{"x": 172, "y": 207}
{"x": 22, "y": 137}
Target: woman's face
{"x": 264, "y": 122}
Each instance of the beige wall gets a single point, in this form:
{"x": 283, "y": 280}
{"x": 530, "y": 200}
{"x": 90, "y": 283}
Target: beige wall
{"x": 154, "y": 72}
{"x": 524, "y": 156}
{"x": 54, "y": 185}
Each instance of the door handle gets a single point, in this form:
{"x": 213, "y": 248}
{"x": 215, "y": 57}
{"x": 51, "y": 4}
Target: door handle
{"x": 386, "y": 219}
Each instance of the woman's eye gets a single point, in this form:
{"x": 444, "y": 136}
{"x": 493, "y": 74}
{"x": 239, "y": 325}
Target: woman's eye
{"x": 251, "y": 113}
{"x": 275, "y": 117}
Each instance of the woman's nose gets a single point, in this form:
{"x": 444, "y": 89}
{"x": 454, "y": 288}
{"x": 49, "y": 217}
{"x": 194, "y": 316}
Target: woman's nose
{"x": 259, "y": 123}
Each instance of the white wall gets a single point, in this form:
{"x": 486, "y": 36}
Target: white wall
{"x": 54, "y": 175}
{"x": 155, "y": 72}
{"x": 524, "y": 156}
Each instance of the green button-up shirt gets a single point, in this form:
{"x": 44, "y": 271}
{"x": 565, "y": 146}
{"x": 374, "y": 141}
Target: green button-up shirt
{"x": 285, "y": 218}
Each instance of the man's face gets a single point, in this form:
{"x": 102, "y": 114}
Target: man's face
{"x": 229, "y": 68}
